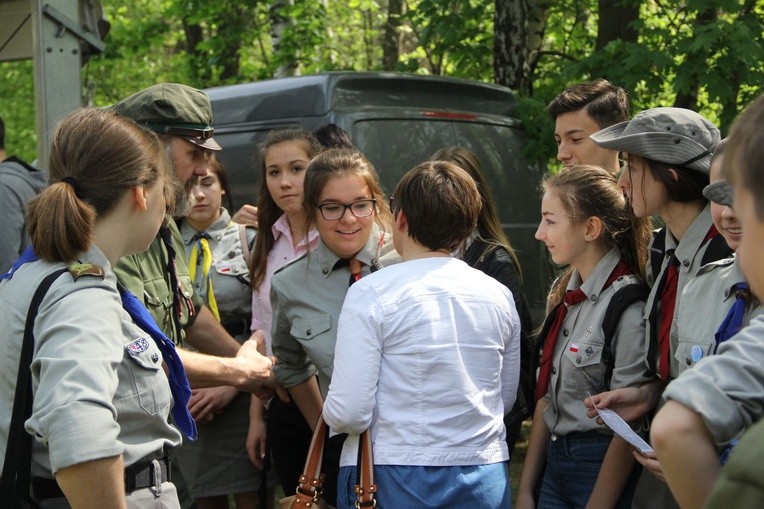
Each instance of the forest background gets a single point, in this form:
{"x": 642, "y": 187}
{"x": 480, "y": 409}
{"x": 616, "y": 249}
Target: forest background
{"x": 707, "y": 55}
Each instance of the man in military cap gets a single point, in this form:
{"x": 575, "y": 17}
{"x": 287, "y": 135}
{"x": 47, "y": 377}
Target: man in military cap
{"x": 181, "y": 117}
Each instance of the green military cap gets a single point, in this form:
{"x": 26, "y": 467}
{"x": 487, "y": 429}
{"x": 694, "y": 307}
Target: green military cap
{"x": 172, "y": 108}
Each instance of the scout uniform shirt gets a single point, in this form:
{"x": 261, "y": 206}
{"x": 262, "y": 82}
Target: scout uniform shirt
{"x": 307, "y": 297}
{"x": 577, "y": 365}
{"x": 98, "y": 383}
{"x": 705, "y": 302}
{"x": 229, "y": 274}
{"x": 147, "y": 277}
{"x": 689, "y": 251}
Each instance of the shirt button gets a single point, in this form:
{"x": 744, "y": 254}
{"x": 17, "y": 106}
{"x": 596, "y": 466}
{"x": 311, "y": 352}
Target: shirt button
{"x": 554, "y": 371}
{"x": 565, "y": 332}
{"x": 726, "y": 293}
{"x": 593, "y": 298}
{"x": 309, "y": 332}
{"x": 686, "y": 263}
{"x": 578, "y": 360}
{"x": 325, "y": 271}
{"x": 688, "y": 360}
{"x": 553, "y": 437}
{"x": 155, "y": 357}
{"x": 218, "y": 237}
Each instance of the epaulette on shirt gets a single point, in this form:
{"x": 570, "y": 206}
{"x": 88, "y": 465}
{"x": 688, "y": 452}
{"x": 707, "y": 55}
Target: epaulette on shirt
{"x": 705, "y": 269}
{"x": 79, "y": 270}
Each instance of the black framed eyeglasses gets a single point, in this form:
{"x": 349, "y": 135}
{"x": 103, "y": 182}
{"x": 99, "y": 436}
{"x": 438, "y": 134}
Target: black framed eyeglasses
{"x": 333, "y": 211}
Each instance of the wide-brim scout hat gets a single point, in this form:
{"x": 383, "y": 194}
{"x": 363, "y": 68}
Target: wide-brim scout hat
{"x": 719, "y": 192}
{"x": 668, "y": 135}
{"x": 172, "y": 108}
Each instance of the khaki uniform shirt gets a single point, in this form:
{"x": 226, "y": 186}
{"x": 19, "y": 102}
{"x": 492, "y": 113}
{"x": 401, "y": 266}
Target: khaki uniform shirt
{"x": 577, "y": 366}
{"x": 97, "y": 379}
{"x": 689, "y": 251}
{"x": 146, "y": 276}
{"x": 705, "y": 303}
{"x": 229, "y": 274}
{"x": 307, "y": 297}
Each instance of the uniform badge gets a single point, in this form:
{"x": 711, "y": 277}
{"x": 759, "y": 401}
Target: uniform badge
{"x": 589, "y": 351}
{"x": 696, "y": 353}
{"x": 137, "y": 346}
{"x": 573, "y": 347}
{"x": 79, "y": 270}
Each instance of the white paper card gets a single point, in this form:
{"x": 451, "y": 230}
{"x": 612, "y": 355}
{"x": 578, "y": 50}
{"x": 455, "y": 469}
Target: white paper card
{"x": 622, "y": 429}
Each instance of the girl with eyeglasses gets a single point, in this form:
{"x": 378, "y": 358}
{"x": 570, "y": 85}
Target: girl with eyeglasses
{"x": 343, "y": 200}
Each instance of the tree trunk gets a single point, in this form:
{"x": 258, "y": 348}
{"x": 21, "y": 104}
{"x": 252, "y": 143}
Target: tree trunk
{"x": 616, "y": 19}
{"x": 391, "y": 38}
{"x": 689, "y": 98}
{"x": 279, "y": 25}
{"x": 518, "y": 33}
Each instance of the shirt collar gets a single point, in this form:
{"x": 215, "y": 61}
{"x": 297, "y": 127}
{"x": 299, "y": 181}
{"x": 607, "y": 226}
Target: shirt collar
{"x": 368, "y": 255}
{"x": 599, "y": 276}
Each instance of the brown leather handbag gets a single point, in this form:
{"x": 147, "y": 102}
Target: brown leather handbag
{"x": 365, "y": 488}
{"x": 308, "y": 494}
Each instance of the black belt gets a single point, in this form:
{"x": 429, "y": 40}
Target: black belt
{"x": 137, "y": 476}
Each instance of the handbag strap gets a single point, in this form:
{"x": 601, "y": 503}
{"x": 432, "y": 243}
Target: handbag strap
{"x": 365, "y": 488}
{"x": 18, "y": 453}
{"x": 311, "y": 481}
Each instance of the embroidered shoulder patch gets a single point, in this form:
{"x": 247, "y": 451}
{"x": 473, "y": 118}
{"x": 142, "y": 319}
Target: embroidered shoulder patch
{"x": 79, "y": 270}
{"x": 137, "y": 346}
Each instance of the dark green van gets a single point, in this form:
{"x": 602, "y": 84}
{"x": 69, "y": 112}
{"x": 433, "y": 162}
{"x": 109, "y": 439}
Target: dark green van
{"x": 398, "y": 121}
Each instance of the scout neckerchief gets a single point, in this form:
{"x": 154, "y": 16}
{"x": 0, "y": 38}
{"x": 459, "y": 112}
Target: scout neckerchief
{"x": 733, "y": 322}
{"x": 558, "y": 314}
{"x": 179, "y": 386}
{"x": 203, "y": 246}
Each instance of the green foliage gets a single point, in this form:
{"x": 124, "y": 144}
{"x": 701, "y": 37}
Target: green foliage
{"x": 710, "y": 52}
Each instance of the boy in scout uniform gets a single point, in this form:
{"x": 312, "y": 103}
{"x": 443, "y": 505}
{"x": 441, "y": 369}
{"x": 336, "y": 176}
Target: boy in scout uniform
{"x": 713, "y": 404}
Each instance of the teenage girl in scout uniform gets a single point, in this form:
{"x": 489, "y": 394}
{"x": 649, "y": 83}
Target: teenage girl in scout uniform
{"x": 587, "y": 224}
{"x": 216, "y": 465}
{"x": 101, "y": 397}
{"x": 668, "y": 153}
{"x": 344, "y": 200}
{"x": 282, "y": 160}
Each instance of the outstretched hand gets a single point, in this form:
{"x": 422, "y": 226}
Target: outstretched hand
{"x": 631, "y": 403}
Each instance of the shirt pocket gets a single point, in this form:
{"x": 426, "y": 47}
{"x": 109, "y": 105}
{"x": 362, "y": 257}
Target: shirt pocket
{"x": 690, "y": 351}
{"x": 307, "y": 329}
{"x": 583, "y": 363}
{"x": 144, "y": 362}
{"x": 235, "y": 268}
{"x": 158, "y": 299}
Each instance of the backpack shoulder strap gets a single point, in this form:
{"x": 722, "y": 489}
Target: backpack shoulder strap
{"x": 716, "y": 250}
{"x": 18, "y": 454}
{"x": 621, "y": 300}
{"x": 657, "y": 252}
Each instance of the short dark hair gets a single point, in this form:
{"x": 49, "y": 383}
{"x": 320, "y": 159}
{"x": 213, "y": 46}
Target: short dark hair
{"x": 744, "y": 157}
{"x": 2, "y": 134}
{"x": 333, "y": 136}
{"x": 605, "y": 103}
{"x": 441, "y": 202}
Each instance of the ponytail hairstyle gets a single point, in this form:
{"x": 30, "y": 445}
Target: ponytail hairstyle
{"x": 339, "y": 162}
{"x": 488, "y": 225}
{"x": 589, "y": 191}
{"x": 267, "y": 210}
{"x": 96, "y": 156}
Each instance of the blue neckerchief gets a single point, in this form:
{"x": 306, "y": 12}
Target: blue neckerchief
{"x": 27, "y": 256}
{"x": 733, "y": 322}
{"x": 179, "y": 386}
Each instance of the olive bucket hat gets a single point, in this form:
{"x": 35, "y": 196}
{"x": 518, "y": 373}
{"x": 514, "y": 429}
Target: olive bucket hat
{"x": 172, "y": 108}
{"x": 668, "y": 135}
